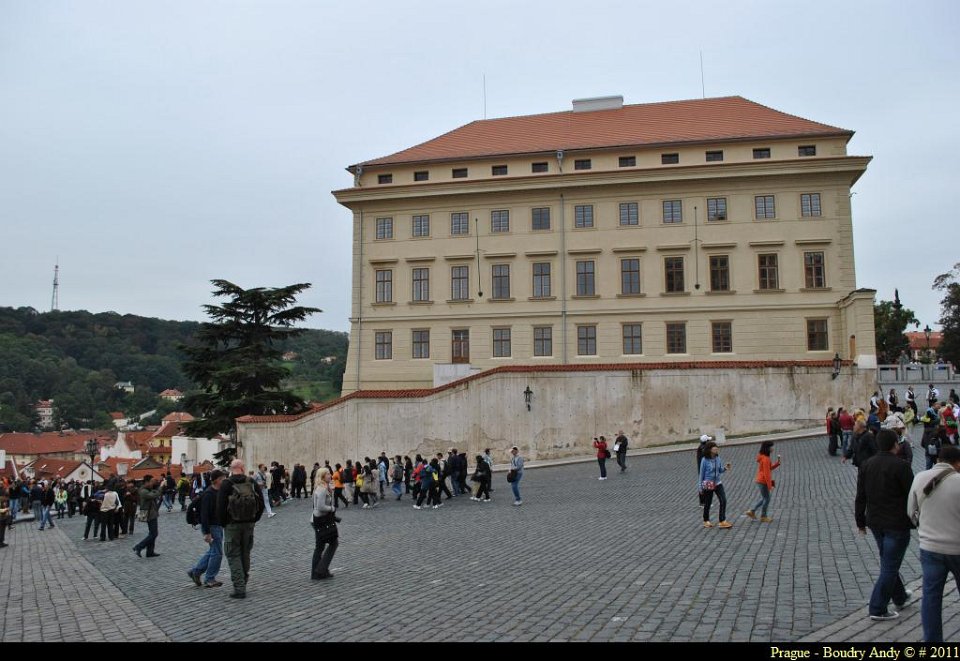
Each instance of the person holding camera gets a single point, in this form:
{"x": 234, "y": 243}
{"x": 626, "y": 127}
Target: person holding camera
{"x": 150, "y": 494}
{"x": 764, "y": 481}
{"x": 325, "y": 528}
{"x": 602, "y": 455}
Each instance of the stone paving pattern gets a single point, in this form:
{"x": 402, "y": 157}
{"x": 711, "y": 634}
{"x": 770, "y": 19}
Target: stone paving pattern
{"x": 625, "y": 559}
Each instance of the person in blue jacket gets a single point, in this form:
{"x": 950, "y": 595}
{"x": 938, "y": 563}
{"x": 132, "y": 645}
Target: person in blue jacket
{"x": 710, "y": 483}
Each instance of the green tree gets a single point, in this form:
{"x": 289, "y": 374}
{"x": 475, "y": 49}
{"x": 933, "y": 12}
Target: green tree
{"x": 949, "y": 314}
{"x": 890, "y": 320}
{"x": 236, "y": 359}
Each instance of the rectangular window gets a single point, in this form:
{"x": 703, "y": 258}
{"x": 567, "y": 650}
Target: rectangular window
{"x": 582, "y": 164}
{"x": 716, "y": 208}
{"x": 807, "y": 150}
{"x": 628, "y": 161}
{"x": 810, "y": 204}
{"x": 632, "y": 338}
{"x": 498, "y": 170}
{"x": 814, "y": 271}
{"x": 421, "y": 284}
{"x": 384, "y": 178}
{"x": 459, "y": 223}
{"x": 541, "y": 280}
{"x": 719, "y": 273}
{"x": 541, "y": 218}
{"x": 630, "y": 276}
{"x": 817, "y": 335}
{"x": 421, "y": 344}
{"x": 669, "y": 159}
{"x": 459, "y": 283}
{"x": 500, "y": 221}
{"x": 501, "y": 342}
{"x": 384, "y": 228}
{"x": 673, "y": 272}
{"x": 383, "y": 344}
{"x": 586, "y": 278}
{"x": 672, "y": 211}
{"x": 629, "y": 213}
{"x": 384, "y": 286}
{"x": 769, "y": 272}
{"x": 458, "y": 173}
{"x": 542, "y": 341}
{"x": 501, "y": 281}
{"x": 540, "y": 167}
{"x": 422, "y": 175}
{"x": 583, "y": 215}
{"x": 460, "y": 350}
{"x": 764, "y": 207}
{"x": 761, "y": 153}
{"x": 714, "y": 156}
{"x": 722, "y": 337}
{"x": 586, "y": 340}
{"x": 677, "y": 338}
{"x": 421, "y": 225}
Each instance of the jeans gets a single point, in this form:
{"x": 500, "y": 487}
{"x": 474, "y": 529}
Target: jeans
{"x": 516, "y": 486}
{"x": 148, "y": 542}
{"x": 398, "y": 489}
{"x": 893, "y": 546}
{"x": 764, "y": 501}
{"x": 846, "y": 435}
{"x": 37, "y": 513}
{"x": 91, "y": 519}
{"x": 708, "y": 499}
{"x": 603, "y": 467}
{"x": 45, "y": 517}
{"x": 455, "y": 483}
{"x": 209, "y": 562}
{"x": 622, "y": 461}
{"x": 168, "y": 500}
{"x": 936, "y": 566}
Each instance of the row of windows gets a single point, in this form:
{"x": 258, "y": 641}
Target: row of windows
{"x": 721, "y": 336}
{"x": 583, "y": 217}
{"x": 674, "y": 270}
{"x": 538, "y": 167}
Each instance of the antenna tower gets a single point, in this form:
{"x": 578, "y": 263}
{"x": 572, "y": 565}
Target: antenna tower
{"x": 55, "y": 299}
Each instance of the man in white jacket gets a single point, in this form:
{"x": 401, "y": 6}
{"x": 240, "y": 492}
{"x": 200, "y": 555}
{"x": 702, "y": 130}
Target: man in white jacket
{"x": 934, "y": 506}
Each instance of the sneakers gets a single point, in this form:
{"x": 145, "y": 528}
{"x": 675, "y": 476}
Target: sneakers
{"x": 212, "y": 584}
{"x": 486, "y": 500}
{"x": 724, "y": 524}
{"x": 601, "y": 478}
{"x": 707, "y": 524}
{"x": 909, "y": 593}
{"x": 766, "y": 519}
{"x": 436, "y": 507}
{"x": 474, "y": 498}
{"x": 751, "y": 514}
{"x": 518, "y": 502}
{"x": 366, "y": 506}
{"x": 883, "y": 617}
{"x": 417, "y": 507}
{"x": 194, "y": 576}
{"x": 271, "y": 515}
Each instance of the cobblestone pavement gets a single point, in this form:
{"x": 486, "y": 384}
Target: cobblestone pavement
{"x": 624, "y": 559}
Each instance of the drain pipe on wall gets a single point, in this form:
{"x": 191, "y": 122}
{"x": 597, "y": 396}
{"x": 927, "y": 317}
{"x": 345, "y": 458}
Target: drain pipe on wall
{"x": 360, "y": 305}
{"x": 563, "y": 277}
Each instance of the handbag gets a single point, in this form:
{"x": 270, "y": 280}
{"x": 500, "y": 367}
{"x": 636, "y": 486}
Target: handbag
{"x": 511, "y": 475}
{"x": 142, "y": 516}
{"x": 709, "y": 485}
{"x": 606, "y": 454}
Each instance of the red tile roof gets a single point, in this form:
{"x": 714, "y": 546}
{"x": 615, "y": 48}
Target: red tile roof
{"x": 52, "y": 467}
{"x": 643, "y": 125}
{"x": 169, "y": 430}
{"x": 117, "y": 415}
{"x": 918, "y": 341}
{"x": 178, "y": 416}
{"x": 171, "y": 392}
{"x": 48, "y": 442}
{"x": 528, "y": 369}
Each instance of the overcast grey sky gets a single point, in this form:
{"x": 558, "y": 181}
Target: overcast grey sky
{"x": 153, "y": 146}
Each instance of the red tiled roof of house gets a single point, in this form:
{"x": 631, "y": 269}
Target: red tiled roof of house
{"x": 171, "y": 392}
{"x": 45, "y": 403}
{"x": 117, "y": 415}
{"x": 48, "y": 442}
{"x": 918, "y": 340}
{"x": 53, "y": 467}
{"x": 178, "y": 416}
{"x": 169, "y": 430}
{"x": 721, "y": 119}
{"x": 528, "y": 369}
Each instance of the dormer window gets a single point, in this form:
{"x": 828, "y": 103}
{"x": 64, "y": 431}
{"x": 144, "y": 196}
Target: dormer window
{"x": 384, "y": 178}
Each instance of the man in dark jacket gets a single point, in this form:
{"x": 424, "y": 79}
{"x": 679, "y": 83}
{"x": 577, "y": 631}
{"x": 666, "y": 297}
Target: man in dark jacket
{"x": 883, "y": 485}
{"x": 149, "y": 495}
{"x": 212, "y": 535}
{"x": 862, "y": 447}
{"x": 239, "y": 507}
{"x": 621, "y": 444}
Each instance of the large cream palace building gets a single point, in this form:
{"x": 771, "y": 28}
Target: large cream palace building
{"x": 705, "y": 230}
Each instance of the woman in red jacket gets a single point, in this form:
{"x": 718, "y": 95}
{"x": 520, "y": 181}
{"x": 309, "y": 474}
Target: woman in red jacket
{"x": 602, "y": 455}
{"x": 764, "y": 481}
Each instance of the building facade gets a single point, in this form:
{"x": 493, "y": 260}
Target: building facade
{"x": 707, "y": 230}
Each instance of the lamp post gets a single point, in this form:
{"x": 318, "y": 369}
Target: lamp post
{"x": 926, "y": 332}
{"x": 837, "y": 363}
{"x": 91, "y": 447}
{"x": 527, "y": 397}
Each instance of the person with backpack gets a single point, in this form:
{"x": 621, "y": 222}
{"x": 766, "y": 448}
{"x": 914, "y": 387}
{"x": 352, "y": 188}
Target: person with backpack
{"x": 397, "y": 477}
{"x": 169, "y": 492}
{"x": 482, "y": 476}
{"x": 862, "y": 446}
{"x": 426, "y": 474}
{"x": 368, "y": 492}
{"x": 206, "y": 515}
{"x": 183, "y": 488}
{"x": 338, "y": 487}
{"x": 602, "y": 455}
{"x": 239, "y": 507}
{"x": 347, "y": 477}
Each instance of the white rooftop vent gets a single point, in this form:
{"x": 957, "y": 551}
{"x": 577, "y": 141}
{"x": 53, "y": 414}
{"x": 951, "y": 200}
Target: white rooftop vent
{"x": 598, "y": 103}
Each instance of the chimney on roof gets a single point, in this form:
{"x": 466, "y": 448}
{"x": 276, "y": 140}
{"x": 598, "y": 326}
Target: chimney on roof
{"x": 598, "y": 103}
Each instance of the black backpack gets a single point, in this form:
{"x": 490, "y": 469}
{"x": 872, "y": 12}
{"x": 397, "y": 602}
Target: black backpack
{"x": 193, "y": 511}
{"x": 242, "y": 502}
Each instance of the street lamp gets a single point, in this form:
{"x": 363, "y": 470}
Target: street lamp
{"x": 527, "y": 397}
{"x": 836, "y": 365}
{"x": 91, "y": 447}
{"x": 926, "y": 331}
